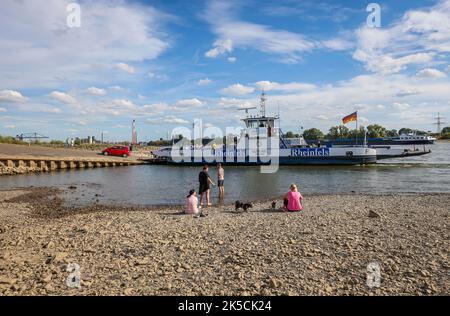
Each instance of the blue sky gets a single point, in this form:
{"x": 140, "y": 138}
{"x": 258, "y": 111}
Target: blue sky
{"x": 166, "y": 63}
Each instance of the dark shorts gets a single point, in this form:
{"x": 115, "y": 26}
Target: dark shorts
{"x": 220, "y": 183}
{"x": 203, "y": 188}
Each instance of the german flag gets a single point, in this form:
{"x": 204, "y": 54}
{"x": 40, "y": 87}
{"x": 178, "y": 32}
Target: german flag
{"x": 350, "y": 118}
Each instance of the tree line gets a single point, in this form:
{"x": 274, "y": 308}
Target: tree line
{"x": 373, "y": 131}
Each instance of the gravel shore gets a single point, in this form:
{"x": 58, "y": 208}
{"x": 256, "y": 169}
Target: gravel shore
{"x": 324, "y": 250}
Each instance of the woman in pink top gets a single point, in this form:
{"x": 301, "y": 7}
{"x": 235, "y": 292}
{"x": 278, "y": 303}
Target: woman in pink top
{"x": 293, "y": 200}
{"x": 192, "y": 203}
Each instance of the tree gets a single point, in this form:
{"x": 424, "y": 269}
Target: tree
{"x": 337, "y": 132}
{"x": 313, "y": 134}
{"x": 446, "y": 130}
{"x": 405, "y": 130}
{"x": 291, "y": 135}
{"x": 392, "y": 133}
{"x": 359, "y": 133}
{"x": 376, "y": 131}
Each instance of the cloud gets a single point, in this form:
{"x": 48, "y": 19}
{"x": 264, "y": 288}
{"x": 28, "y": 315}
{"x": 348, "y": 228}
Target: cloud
{"x": 95, "y": 91}
{"x": 416, "y": 39}
{"x": 175, "y": 120}
{"x": 157, "y": 107}
{"x": 10, "y": 126}
{"x": 232, "y": 33}
{"x": 337, "y": 44}
{"x": 3, "y": 110}
{"x": 204, "y": 82}
{"x": 220, "y": 47}
{"x": 430, "y": 73}
{"x": 237, "y": 90}
{"x": 189, "y": 103}
{"x": 232, "y": 60}
{"x": 38, "y": 49}
{"x": 62, "y": 97}
{"x": 126, "y": 68}
{"x": 400, "y": 106}
{"x": 117, "y": 88}
{"x": 159, "y": 77}
{"x": 11, "y": 96}
{"x": 275, "y": 86}
{"x": 49, "y": 110}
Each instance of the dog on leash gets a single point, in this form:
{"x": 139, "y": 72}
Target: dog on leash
{"x": 244, "y": 206}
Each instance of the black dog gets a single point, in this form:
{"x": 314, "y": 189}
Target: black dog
{"x": 244, "y": 206}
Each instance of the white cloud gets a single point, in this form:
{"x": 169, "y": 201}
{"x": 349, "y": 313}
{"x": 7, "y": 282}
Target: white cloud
{"x": 157, "y": 107}
{"x": 234, "y": 103}
{"x": 175, "y": 120}
{"x": 448, "y": 68}
{"x": 63, "y": 97}
{"x": 50, "y": 110}
{"x": 39, "y": 50}
{"x": 159, "y": 77}
{"x": 189, "y": 103}
{"x": 430, "y": 73}
{"x": 123, "y": 104}
{"x": 204, "y": 82}
{"x": 3, "y": 110}
{"x": 10, "y": 126}
{"x": 232, "y": 33}
{"x": 400, "y": 106}
{"x": 126, "y": 68}
{"x": 11, "y": 96}
{"x": 232, "y": 60}
{"x": 221, "y": 47}
{"x": 337, "y": 44}
{"x": 117, "y": 88}
{"x": 416, "y": 39}
{"x": 237, "y": 89}
{"x": 96, "y": 91}
{"x": 275, "y": 86}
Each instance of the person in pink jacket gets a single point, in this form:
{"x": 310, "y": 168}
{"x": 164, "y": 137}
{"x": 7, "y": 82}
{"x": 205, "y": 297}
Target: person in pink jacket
{"x": 192, "y": 205}
{"x": 293, "y": 200}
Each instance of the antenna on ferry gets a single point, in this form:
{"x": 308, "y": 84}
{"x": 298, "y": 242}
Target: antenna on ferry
{"x": 246, "y": 109}
{"x": 262, "y": 104}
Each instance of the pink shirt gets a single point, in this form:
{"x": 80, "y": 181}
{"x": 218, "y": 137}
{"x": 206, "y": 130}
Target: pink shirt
{"x": 192, "y": 205}
{"x": 294, "y": 198}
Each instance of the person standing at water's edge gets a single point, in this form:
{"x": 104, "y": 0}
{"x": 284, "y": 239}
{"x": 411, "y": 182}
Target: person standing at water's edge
{"x": 220, "y": 180}
{"x": 205, "y": 182}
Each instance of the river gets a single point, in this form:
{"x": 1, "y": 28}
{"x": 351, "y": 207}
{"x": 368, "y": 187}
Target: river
{"x": 166, "y": 185}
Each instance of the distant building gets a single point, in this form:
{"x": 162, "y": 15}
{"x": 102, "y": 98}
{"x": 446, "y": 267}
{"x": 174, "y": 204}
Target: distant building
{"x": 133, "y": 133}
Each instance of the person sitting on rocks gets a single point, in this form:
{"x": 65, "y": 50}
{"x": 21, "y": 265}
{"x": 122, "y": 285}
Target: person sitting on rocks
{"x": 192, "y": 205}
{"x": 293, "y": 200}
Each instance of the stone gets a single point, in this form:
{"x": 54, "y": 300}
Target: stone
{"x": 373, "y": 214}
{"x": 274, "y": 283}
{"x": 128, "y": 291}
{"x": 49, "y": 245}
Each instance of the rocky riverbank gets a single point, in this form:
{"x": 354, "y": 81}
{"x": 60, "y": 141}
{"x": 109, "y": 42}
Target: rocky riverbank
{"x": 156, "y": 251}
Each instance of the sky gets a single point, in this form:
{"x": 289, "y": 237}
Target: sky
{"x": 165, "y": 63}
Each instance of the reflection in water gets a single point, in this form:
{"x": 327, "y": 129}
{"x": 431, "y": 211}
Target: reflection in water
{"x": 150, "y": 185}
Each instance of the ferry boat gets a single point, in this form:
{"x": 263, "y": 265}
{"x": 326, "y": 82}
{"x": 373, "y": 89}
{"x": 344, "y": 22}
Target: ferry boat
{"x": 404, "y": 139}
{"x": 255, "y": 146}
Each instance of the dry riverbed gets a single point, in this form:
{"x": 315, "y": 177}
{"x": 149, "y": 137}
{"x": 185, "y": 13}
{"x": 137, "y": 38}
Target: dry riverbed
{"x": 156, "y": 251}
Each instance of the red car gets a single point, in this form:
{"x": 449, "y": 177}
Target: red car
{"x": 122, "y": 151}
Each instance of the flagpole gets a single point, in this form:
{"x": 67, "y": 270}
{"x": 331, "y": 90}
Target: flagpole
{"x": 356, "y": 128}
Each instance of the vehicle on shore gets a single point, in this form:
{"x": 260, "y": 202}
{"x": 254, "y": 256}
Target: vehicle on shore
{"x": 118, "y": 151}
